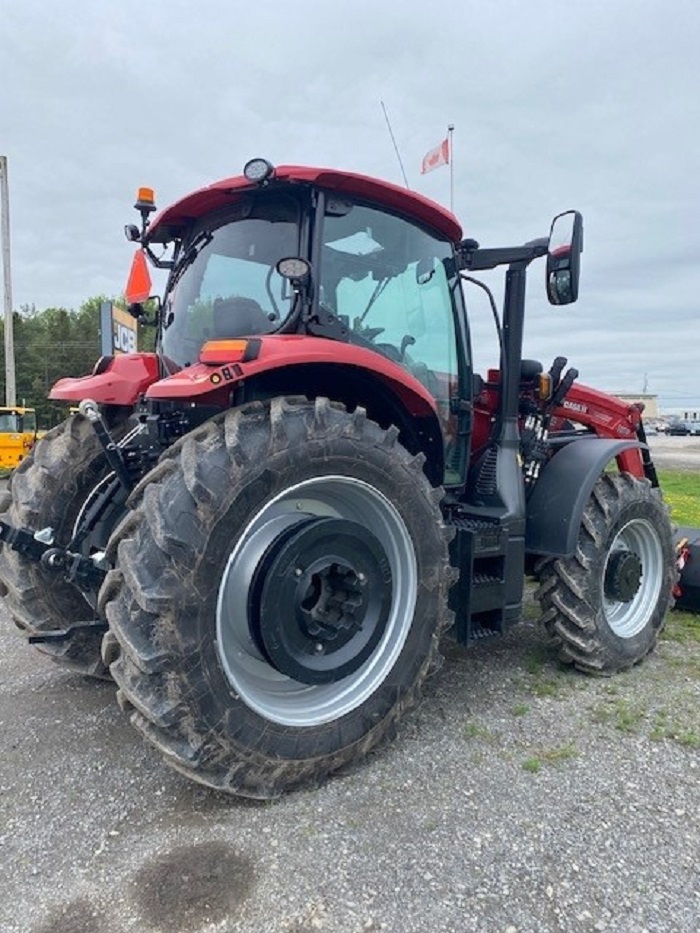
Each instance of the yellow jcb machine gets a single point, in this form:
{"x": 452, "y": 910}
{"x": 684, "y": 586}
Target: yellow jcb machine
{"x": 17, "y": 435}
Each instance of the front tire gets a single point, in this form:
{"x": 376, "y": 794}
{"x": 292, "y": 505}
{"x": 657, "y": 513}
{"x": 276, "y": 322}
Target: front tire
{"x": 606, "y": 605}
{"x": 279, "y": 595}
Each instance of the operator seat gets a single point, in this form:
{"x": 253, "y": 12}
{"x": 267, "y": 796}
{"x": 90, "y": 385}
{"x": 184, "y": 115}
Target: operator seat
{"x": 238, "y": 317}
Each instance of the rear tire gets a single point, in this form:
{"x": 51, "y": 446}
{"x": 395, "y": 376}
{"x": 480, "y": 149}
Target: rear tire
{"x": 606, "y": 605}
{"x": 48, "y": 489}
{"x": 278, "y": 596}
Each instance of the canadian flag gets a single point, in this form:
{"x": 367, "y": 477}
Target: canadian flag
{"x": 438, "y": 156}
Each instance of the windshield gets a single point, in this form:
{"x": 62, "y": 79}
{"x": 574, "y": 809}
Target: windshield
{"x": 226, "y": 284}
{"x": 9, "y": 423}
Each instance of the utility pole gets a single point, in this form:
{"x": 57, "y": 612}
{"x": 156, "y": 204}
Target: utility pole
{"x": 10, "y": 386}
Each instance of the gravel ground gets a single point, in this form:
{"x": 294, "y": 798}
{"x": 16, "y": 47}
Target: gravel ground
{"x": 677, "y": 453}
{"x": 520, "y": 796}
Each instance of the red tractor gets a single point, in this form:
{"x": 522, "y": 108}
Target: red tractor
{"x": 262, "y": 530}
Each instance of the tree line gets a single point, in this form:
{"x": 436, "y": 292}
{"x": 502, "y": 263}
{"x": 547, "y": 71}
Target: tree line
{"x": 52, "y": 344}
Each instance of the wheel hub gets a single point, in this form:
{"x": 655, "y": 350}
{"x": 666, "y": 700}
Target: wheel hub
{"x": 623, "y": 576}
{"x": 332, "y": 601}
{"x": 319, "y": 599}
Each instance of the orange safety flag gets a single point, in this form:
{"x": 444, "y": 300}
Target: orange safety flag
{"x": 138, "y": 286}
{"x": 438, "y": 156}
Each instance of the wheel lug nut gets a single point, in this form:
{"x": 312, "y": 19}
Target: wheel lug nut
{"x": 318, "y": 648}
{"x": 298, "y": 571}
{"x": 361, "y": 578}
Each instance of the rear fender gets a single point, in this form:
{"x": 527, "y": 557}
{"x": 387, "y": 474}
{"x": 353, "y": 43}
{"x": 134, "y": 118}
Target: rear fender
{"x": 116, "y": 380}
{"x": 281, "y": 352}
{"x": 555, "y": 508}
{"x": 300, "y": 365}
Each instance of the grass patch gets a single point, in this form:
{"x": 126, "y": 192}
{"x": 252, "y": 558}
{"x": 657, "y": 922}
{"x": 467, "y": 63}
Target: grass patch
{"x": 668, "y": 726}
{"x": 682, "y": 492}
{"x": 549, "y": 757}
{"x": 683, "y": 627}
{"x": 472, "y": 730}
{"x": 679, "y": 722}
{"x": 547, "y": 677}
{"x": 624, "y": 715}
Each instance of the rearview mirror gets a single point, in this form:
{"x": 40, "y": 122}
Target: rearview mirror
{"x": 564, "y": 258}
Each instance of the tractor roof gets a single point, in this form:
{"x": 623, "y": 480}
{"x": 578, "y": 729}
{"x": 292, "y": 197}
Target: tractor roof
{"x": 169, "y": 222}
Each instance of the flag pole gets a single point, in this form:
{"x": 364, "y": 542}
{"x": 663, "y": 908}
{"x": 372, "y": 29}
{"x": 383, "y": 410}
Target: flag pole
{"x": 450, "y": 131}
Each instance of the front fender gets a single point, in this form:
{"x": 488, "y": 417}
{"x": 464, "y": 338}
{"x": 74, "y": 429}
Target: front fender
{"x": 555, "y": 508}
{"x": 118, "y": 380}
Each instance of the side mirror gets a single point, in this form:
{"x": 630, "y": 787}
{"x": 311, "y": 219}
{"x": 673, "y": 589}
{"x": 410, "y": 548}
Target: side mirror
{"x": 564, "y": 258}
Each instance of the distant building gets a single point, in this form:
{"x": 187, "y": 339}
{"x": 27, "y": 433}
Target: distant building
{"x": 650, "y": 402}
{"x": 685, "y": 414}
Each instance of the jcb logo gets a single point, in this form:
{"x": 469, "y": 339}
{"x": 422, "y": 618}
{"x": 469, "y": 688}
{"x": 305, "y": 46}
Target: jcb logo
{"x": 124, "y": 338}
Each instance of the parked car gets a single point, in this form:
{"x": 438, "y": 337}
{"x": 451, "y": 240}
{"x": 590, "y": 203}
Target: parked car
{"x": 678, "y": 428}
{"x": 693, "y": 427}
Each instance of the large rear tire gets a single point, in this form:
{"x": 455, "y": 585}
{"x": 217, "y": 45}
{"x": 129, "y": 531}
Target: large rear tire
{"x": 606, "y": 605}
{"x": 278, "y": 596}
{"x": 48, "y": 490}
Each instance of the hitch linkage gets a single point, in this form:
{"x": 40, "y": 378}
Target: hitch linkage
{"x": 77, "y": 569}
{"x": 88, "y": 409}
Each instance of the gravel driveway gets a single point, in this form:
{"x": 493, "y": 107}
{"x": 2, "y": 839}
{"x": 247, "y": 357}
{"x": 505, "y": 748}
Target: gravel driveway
{"x": 519, "y": 797}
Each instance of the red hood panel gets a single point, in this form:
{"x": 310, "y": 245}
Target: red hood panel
{"x": 127, "y": 377}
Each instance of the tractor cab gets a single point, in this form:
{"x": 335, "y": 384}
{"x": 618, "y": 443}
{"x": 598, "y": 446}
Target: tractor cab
{"x": 320, "y": 254}
{"x": 355, "y": 273}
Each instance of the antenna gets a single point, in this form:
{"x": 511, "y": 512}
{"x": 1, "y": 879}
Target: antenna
{"x": 396, "y": 148}
{"x": 450, "y": 150}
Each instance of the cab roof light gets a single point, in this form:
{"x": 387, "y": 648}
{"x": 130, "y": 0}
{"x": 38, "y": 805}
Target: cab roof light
{"x": 258, "y": 170}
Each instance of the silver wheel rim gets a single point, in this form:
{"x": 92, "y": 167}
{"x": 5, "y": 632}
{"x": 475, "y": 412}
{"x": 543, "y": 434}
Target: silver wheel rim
{"x": 268, "y": 692}
{"x": 627, "y": 619}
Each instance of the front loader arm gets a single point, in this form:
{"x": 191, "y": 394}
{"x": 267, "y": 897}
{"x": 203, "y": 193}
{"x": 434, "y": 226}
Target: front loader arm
{"x": 606, "y": 416}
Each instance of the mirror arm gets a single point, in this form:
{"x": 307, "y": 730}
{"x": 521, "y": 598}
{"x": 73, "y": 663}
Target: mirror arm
{"x": 481, "y": 259}
{"x": 158, "y": 263}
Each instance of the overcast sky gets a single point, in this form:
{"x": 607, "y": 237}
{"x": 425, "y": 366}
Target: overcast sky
{"x": 592, "y": 104}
